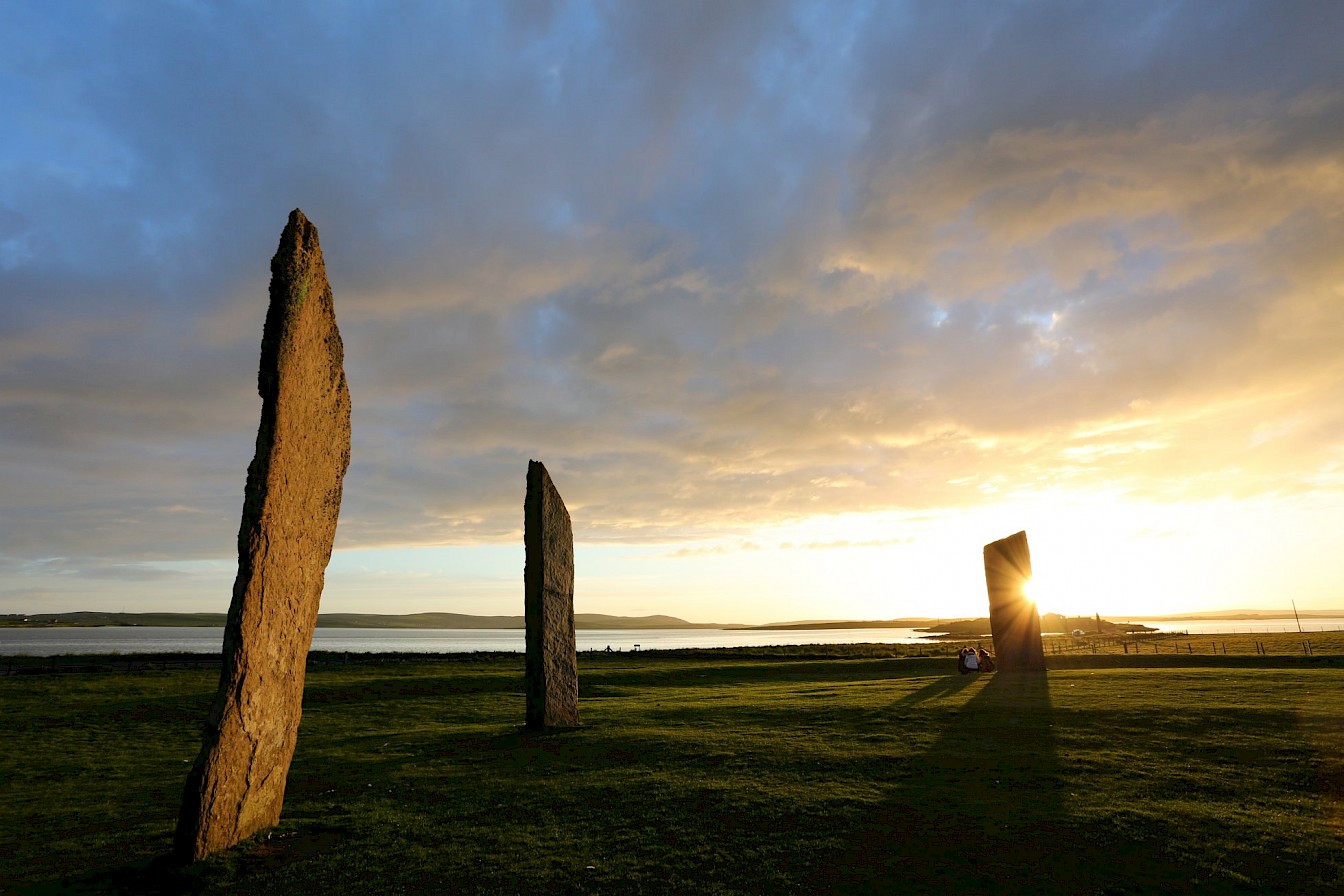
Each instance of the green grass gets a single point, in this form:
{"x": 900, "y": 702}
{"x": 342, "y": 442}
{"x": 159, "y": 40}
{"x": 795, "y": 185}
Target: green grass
{"x": 723, "y": 772}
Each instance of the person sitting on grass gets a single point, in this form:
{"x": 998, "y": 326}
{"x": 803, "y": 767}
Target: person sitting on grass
{"x": 986, "y": 661}
{"x": 969, "y": 662}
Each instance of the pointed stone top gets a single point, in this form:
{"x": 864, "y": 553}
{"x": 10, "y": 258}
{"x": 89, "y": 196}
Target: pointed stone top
{"x": 298, "y": 245}
{"x": 301, "y": 227}
{"x": 298, "y": 282}
{"x": 297, "y": 267}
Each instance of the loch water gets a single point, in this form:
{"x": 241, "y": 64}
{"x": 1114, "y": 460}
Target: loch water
{"x": 57, "y": 641}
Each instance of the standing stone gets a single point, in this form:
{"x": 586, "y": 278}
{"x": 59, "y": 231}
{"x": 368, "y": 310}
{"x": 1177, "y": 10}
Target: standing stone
{"x": 548, "y": 584}
{"x": 290, "y": 506}
{"x": 1014, "y": 620}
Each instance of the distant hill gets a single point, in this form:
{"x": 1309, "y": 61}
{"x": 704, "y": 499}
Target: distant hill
{"x": 416, "y": 620}
{"x": 91, "y": 618}
{"x": 463, "y": 621}
{"x": 352, "y": 620}
{"x": 599, "y": 620}
{"x": 814, "y": 626}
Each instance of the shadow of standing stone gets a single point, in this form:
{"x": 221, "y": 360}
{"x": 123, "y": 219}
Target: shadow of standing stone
{"x": 290, "y": 507}
{"x": 552, "y": 676}
{"x": 1014, "y": 620}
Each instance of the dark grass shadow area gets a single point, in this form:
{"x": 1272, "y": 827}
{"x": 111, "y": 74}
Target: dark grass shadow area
{"x": 162, "y": 875}
{"x": 985, "y": 810}
{"x": 942, "y": 686}
{"x": 863, "y": 776}
{"x": 157, "y": 877}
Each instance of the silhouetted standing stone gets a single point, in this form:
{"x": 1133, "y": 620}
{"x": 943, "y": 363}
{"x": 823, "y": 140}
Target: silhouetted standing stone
{"x": 290, "y": 506}
{"x": 1014, "y": 620}
{"x": 548, "y": 584}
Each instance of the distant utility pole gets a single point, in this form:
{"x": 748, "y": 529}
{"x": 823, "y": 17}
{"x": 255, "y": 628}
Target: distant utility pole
{"x": 1297, "y": 617}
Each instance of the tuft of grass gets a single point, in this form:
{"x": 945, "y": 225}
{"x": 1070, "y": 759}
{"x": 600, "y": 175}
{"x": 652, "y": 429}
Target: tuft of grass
{"x": 709, "y": 772}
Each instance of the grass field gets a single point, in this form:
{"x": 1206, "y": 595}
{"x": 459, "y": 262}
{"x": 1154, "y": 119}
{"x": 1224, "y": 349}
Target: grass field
{"x": 847, "y": 771}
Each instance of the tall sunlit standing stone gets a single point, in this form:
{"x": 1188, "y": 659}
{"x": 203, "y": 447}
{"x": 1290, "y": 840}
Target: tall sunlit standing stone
{"x": 290, "y": 506}
{"x": 552, "y": 667}
{"x": 1013, "y": 618}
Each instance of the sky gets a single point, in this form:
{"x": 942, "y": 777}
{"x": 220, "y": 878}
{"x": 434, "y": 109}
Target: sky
{"x": 801, "y": 304}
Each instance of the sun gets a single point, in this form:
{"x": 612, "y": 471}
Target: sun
{"x": 1029, "y": 590}
{"x": 1050, "y": 592}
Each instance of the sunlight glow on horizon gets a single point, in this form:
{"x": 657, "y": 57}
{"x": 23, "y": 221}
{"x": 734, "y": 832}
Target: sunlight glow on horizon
{"x": 1102, "y": 553}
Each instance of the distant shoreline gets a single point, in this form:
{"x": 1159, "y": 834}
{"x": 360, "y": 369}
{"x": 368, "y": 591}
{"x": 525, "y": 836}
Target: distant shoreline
{"x": 583, "y": 621}
{"x": 1234, "y": 615}
{"x": 451, "y": 621}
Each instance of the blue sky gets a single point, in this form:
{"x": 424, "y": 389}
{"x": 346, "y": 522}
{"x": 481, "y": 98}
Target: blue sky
{"x": 800, "y": 303}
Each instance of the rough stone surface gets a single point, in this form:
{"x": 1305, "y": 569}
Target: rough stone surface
{"x": 1014, "y": 620}
{"x": 552, "y": 675}
{"x": 290, "y": 506}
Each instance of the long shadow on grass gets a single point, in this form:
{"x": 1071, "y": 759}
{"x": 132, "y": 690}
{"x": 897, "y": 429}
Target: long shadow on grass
{"x": 939, "y": 687}
{"x": 985, "y": 809}
{"x": 980, "y": 808}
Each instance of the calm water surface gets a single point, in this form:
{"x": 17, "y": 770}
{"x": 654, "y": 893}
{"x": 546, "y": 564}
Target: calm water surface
{"x": 147, "y": 639}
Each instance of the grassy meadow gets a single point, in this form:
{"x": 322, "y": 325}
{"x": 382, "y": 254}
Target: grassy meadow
{"x": 843, "y": 770}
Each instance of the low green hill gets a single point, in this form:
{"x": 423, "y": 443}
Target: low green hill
{"x": 351, "y": 620}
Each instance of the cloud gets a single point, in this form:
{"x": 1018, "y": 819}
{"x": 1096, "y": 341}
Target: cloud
{"x": 718, "y": 265}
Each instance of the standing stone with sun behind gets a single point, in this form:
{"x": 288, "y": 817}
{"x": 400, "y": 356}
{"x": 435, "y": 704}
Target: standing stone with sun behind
{"x": 1014, "y": 620}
